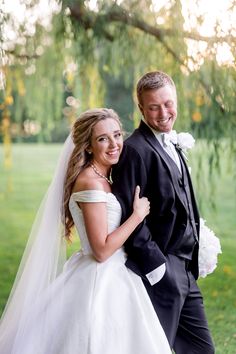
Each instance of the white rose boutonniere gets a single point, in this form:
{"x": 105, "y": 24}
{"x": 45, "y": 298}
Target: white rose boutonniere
{"x": 184, "y": 142}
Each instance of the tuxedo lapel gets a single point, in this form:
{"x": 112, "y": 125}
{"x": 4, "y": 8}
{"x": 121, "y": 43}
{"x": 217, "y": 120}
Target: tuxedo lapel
{"x": 183, "y": 162}
{"x": 181, "y": 156}
{"x": 170, "y": 164}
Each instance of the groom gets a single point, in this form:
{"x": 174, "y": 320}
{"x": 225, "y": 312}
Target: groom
{"x": 163, "y": 250}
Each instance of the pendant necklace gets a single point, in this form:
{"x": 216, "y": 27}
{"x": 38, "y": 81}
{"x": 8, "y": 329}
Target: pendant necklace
{"x": 109, "y": 180}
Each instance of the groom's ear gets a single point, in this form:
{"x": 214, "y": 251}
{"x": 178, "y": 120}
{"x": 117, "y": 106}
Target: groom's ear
{"x": 141, "y": 108}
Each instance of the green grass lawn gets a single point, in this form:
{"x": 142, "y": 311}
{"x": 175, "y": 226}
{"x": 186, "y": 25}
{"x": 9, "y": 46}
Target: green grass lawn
{"x": 22, "y": 188}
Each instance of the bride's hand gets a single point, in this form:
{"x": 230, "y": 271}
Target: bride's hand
{"x": 141, "y": 206}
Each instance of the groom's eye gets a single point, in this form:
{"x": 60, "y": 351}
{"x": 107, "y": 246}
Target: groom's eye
{"x": 154, "y": 108}
{"x": 169, "y": 104}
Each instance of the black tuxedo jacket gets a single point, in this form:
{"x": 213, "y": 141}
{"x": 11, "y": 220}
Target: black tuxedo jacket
{"x": 143, "y": 162}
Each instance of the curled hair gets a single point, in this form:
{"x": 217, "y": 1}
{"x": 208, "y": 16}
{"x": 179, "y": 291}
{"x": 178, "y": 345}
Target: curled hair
{"x": 153, "y": 81}
{"x": 80, "y": 158}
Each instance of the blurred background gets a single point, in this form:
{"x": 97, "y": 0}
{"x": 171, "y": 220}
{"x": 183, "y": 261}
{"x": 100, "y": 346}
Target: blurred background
{"x": 59, "y": 58}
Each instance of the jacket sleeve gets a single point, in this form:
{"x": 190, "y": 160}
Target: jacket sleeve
{"x": 144, "y": 255}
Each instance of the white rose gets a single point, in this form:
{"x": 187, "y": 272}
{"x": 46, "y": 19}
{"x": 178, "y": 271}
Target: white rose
{"x": 185, "y": 141}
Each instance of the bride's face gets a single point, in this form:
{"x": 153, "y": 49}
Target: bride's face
{"x": 106, "y": 142}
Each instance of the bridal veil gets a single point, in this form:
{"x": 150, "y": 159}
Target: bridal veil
{"x": 43, "y": 258}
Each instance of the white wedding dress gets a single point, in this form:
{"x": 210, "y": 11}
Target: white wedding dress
{"x": 92, "y": 308}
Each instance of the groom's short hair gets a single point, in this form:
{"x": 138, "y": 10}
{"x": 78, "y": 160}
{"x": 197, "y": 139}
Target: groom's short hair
{"x": 153, "y": 80}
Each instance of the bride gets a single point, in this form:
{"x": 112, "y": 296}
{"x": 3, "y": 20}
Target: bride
{"x": 91, "y": 304}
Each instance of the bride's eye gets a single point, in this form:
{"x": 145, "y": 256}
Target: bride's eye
{"x": 102, "y": 138}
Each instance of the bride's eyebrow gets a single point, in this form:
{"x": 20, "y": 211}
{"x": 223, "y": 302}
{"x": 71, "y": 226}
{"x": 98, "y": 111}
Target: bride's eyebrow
{"x": 107, "y": 134}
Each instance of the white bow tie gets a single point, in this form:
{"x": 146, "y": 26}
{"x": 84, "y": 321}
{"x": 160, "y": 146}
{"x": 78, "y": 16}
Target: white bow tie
{"x": 168, "y": 138}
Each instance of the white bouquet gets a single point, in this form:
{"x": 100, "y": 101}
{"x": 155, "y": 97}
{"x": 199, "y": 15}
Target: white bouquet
{"x": 209, "y": 248}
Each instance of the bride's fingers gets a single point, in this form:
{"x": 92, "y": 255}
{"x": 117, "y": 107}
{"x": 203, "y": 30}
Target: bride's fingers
{"x": 136, "y": 193}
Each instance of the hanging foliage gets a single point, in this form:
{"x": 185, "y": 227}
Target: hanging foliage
{"x": 94, "y": 52}
{"x": 120, "y": 42}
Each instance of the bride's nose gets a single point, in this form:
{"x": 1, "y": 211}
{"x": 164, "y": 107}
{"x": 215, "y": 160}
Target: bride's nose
{"x": 112, "y": 142}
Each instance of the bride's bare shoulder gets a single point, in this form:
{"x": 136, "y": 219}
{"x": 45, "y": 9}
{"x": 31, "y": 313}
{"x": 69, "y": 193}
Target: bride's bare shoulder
{"x": 86, "y": 181}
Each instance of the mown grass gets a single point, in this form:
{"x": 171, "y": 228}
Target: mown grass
{"x": 22, "y": 188}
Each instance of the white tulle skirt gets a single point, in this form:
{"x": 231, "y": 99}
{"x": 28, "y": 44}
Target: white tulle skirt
{"x": 91, "y": 308}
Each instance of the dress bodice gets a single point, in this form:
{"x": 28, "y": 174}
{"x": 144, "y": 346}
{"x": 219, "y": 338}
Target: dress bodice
{"x": 93, "y": 196}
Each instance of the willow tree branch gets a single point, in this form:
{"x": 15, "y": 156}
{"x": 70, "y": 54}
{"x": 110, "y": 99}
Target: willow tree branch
{"x": 118, "y": 14}
{"x": 22, "y": 56}
{"x": 88, "y": 19}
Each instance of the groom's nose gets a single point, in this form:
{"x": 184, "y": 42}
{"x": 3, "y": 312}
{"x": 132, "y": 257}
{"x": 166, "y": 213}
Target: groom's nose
{"x": 163, "y": 111}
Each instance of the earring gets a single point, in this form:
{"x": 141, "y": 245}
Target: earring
{"x": 89, "y": 152}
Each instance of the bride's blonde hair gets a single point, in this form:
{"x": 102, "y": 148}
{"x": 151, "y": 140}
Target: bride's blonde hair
{"x": 80, "y": 158}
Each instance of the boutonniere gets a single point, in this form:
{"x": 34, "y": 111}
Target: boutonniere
{"x": 185, "y": 142}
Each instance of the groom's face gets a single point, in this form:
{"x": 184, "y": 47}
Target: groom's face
{"x": 159, "y": 108}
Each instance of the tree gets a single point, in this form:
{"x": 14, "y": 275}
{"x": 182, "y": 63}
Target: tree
{"x": 77, "y": 56}
{"x": 117, "y": 43}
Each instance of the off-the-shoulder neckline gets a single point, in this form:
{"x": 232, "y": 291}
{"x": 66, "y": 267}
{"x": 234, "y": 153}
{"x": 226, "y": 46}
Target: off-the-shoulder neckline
{"x": 91, "y": 190}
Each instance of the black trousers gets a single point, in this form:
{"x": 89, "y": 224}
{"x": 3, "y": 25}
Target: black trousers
{"x": 179, "y": 306}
